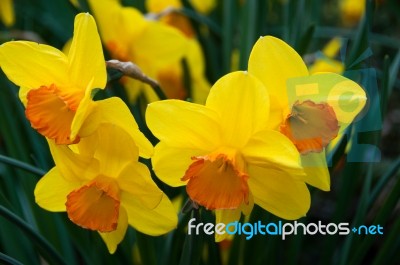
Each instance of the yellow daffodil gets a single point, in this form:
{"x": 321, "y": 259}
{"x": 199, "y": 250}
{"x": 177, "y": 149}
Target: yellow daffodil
{"x": 57, "y": 88}
{"x": 224, "y": 153}
{"x": 203, "y": 6}
{"x": 7, "y": 14}
{"x": 326, "y": 61}
{"x": 171, "y": 77}
{"x": 129, "y": 36}
{"x": 309, "y": 109}
{"x": 102, "y": 187}
{"x": 351, "y": 11}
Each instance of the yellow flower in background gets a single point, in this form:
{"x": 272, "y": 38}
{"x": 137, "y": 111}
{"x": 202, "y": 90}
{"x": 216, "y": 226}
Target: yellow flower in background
{"x": 7, "y": 14}
{"x": 130, "y": 37}
{"x": 102, "y": 187}
{"x": 203, "y": 6}
{"x": 171, "y": 77}
{"x": 224, "y": 153}
{"x": 309, "y": 109}
{"x": 326, "y": 61}
{"x": 57, "y": 88}
{"x": 351, "y": 11}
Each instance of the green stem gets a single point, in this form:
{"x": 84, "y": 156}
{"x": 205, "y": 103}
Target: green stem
{"x": 45, "y": 247}
{"x": 381, "y": 218}
{"x": 8, "y": 260}
{"x": 146, "y": 249}
{"x": 21, "y": 165}
{"x": 160, "y": 93}
{"x": 389, "y": 247}
{"x": 394, "y": 168}
{"x": 229, "y": 12}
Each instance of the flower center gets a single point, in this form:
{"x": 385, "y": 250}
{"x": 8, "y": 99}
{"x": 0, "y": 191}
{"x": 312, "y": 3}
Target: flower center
{"x": 310, "y": 126}
{"x": 218, "y": 181}
{"x": 95, "y": 205}
{"x": 51, "y": 113}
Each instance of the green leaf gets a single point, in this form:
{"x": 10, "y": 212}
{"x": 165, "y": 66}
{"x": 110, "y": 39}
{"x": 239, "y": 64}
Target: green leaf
{"x": 192, "y": 247}
{"x": 44, "y": 247}
{"x": 7, "y": 260}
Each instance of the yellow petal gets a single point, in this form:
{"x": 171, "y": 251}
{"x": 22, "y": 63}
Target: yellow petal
{"x": 200, "y": 85}
{"x": 72, "y": 166}
{"x": 279, "y": 193}
{"x": 7, "y": 12}
{"x": 195, "y": 58}
{"x": 274, "y": 62}
{"x": 112, "y": 239}
{"x": 242, "y": 103}
{"x": 22, "y": 94}
{"x": 203, "y": 6}
{"x": 114, "y": 111}
{"x": 31, "y": 65}
{"x": 119, "y": 26}
{"x": 247, "y": 208}
{"x": 183, "y": 124}
{"x": 79, "y": 126}
{"x": 345, "y": 96}
{"x": 351, "y": 11}
{"x": 270, "y": 148}
{"x": 200, "y": 90}
{"x": 159, "y": 46}
{"x": 225, "y": 217}
{"x": 171, "y": 163}
{"x": 112, "y": 146}
{"x": 326, "y": 65}
{"x": 332, "y": 47}
{"x": 52, "y": 189}
{"x": 153, "y": 222}
{"x": 156, "y": 6}
{"x": 86, "y": 60}
{"x": 75, "y": 3}
{"x": 316, "y": 169}
{"x": 135, "y": 179}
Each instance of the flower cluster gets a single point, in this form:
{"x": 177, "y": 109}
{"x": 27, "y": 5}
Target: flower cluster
{"x": 95, "y": 145}
{"x": 259, "y": 138}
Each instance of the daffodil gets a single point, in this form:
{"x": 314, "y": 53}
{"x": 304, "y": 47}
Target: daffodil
{"x": 351, "y": 11}
{"x": 57, "y": 88}
{"x": 309, "y": 109}
{"x": 7, "y": 14}
{"x": 171, "y": 77}
{"x": 129, "y": 36}
{"x": 203, "y": 6}
{"x": 225, "y": 155}
{"x": 326, "y": 61}
{"x": 102, "y": 187}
